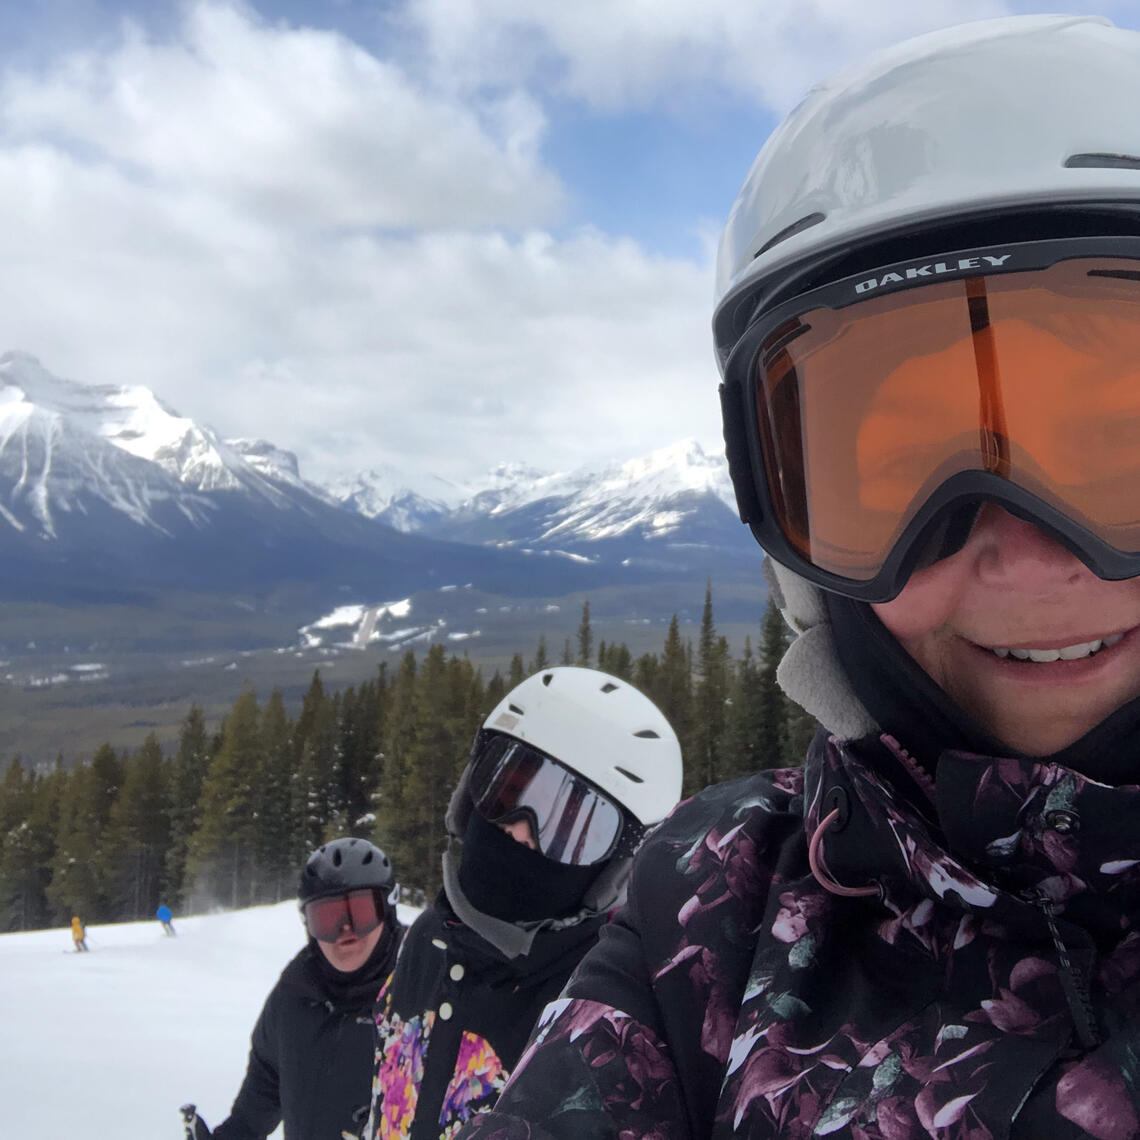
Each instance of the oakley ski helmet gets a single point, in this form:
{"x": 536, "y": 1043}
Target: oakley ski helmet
{"x": 933, "y": 262}
{"x": 345, "y": 865}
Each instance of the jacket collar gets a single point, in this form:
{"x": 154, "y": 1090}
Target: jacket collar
{"x": 997, "y": 831}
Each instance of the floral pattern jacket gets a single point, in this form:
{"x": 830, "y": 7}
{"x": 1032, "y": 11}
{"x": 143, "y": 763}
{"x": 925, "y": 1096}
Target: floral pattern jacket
{"x": 453, "y": 1018}
{"x": 814, "y": 953}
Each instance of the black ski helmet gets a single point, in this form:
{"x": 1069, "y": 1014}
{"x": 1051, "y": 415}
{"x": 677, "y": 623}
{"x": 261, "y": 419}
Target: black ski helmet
{"x": 345, "y": 865}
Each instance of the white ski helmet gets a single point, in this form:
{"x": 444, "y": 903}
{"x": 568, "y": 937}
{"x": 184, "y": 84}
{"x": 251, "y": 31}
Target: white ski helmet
{"x": 602, "y": 728}
{"x": 1000, "y": 130}
{"x": 988, "y": 117}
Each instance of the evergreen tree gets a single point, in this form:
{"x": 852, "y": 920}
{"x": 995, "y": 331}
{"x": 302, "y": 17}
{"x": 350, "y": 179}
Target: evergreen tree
{"x": 673, "y": 691}
{"x": 433, "y": 767}
{"x": 745, "y": 721}
{"x": 360, "y": 720}
{"x": 275, "y": 823}
{"x": 517, "y": 671}
{"x": 585, "y": 636}
{"x": 496, "y": 691}
{"x": 26, "y": 858}
{"x": 703, "y": 766}
{"x": 189, "y": 766}
{"x": 567, "y": 653}
{"x": 398, "y": 749}
{"x": 541, "y": 661}
{"x": 772, "y": 703}
{"x": 77, "y": 885}
{"x": 222, "y": 858}
{"x": 646, "y": 673}
{"x": 138, "y": 835}
{"x": 616, "y": 660}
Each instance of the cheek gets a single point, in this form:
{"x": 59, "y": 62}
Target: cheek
{"x": 927, "y": 602}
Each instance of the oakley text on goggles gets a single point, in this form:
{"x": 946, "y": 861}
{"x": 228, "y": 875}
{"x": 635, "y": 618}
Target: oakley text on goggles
{"x": 356, "y": 911}
{"x": 878, "y": 411}
{"x": 572, "y": 821}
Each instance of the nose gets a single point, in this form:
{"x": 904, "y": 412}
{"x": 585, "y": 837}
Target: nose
{"x": 520, "y": 831}
{"x": 1014, "y": 554}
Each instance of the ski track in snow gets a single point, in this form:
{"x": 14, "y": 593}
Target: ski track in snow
{"x": 110, "y": 1043}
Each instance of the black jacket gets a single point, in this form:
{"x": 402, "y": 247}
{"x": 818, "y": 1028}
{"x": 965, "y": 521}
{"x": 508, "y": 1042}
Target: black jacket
{"x": 310, "y": 1057}
{"x": 454, "y": 1018}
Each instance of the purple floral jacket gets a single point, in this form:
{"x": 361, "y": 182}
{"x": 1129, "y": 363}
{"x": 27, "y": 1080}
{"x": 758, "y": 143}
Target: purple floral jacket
{"x": 815, "y": 954}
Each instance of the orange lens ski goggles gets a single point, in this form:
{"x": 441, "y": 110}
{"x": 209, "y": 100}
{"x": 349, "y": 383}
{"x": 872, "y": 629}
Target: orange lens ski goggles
{"x": 880, "y": 410}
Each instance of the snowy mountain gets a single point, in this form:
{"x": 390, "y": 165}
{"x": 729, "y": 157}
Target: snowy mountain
{"x": 107, "y": 489}
{"x": 68, "y": 448}
{"x": 107, "y": 493}
{"x": 670, "y": 511}
{"x": 407, "y": 503}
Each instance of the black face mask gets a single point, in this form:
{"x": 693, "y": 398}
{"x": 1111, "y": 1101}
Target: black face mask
{"x": 507, "y": 880}
{"x": 908, "y": 704}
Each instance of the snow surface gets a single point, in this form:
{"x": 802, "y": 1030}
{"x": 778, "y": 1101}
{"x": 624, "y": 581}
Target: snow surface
{"x": 110, "y": 1043}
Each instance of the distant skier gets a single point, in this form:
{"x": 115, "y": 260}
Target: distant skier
{"x": 78, "y": 934}
{"x": 311, "y": 1052}
{"x": 164, "y": 915}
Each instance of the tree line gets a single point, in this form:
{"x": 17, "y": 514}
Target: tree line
{"x": 226, "y": 818}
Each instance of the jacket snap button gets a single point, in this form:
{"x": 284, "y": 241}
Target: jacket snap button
{"x": 456, "y": 972}
{"x": 445, "y": 1011}
{"x": 1063, "y": 822}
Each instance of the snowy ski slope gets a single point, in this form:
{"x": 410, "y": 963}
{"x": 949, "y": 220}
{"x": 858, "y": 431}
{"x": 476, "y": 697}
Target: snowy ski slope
{"x": 110, "y": 1043}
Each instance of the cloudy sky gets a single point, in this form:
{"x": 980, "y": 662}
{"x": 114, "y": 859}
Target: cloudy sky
{"x": 438, "y": 234}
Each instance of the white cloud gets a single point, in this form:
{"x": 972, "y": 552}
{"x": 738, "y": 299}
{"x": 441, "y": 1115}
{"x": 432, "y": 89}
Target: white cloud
{"x": 617, "y": 54}
{"x": 284, "y": 235}
{"x": 165, "y": 225}
{"x": 296, "y": 124}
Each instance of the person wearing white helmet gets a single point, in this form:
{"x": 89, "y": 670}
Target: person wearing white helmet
{"x": 928, "y": 330}
{"x": 566, "y": 776}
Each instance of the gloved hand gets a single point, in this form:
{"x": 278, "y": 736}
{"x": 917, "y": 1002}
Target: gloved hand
{"x": 195, "y": 1126}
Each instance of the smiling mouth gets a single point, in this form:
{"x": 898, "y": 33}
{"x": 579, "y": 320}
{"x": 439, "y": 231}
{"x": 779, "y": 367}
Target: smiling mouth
{"x": 1064, "y": 653}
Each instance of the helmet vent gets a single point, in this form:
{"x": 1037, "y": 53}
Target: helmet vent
{"x": 547, "y": 678}
{"x": 648, "y": 734}
{"x": 1103, "y": 161}
{"x": 805, "y": 223}
{"x": 516, "y": 709}
{"x": 609, "y": 687}
{"x": 338, "y": 858}
{"x": 629, "y": 775}
{"x": 367, "y": 858}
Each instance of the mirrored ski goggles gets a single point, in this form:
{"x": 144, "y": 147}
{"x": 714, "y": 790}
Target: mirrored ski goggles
{"x": 571, "y": 821}
{"x": 355, "y": 911}
{"x": 882, "y": 409}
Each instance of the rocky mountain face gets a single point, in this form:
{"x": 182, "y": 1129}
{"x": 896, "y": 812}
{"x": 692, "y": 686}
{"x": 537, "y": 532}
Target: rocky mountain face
{"x": 106, "y": 489}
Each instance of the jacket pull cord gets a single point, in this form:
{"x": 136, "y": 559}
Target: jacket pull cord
{"x": 1076, "y": 992}
{"x": 819, "y": 868}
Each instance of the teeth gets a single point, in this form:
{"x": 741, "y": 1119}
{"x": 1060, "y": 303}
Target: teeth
{"x": 1067, "y": 653}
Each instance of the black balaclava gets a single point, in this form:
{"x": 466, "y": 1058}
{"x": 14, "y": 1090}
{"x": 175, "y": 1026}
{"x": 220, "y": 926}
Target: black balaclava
{"x": 507, "y": 880}
{"x": 907, "y": 703}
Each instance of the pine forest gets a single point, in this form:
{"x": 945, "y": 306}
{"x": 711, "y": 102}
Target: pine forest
{"x": 227, "y": 817}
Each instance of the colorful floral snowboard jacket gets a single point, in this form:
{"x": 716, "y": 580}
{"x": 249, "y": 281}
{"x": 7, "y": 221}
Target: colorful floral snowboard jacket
{"x": 453, "y": 1018}
{"x": 966, "y": 979}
